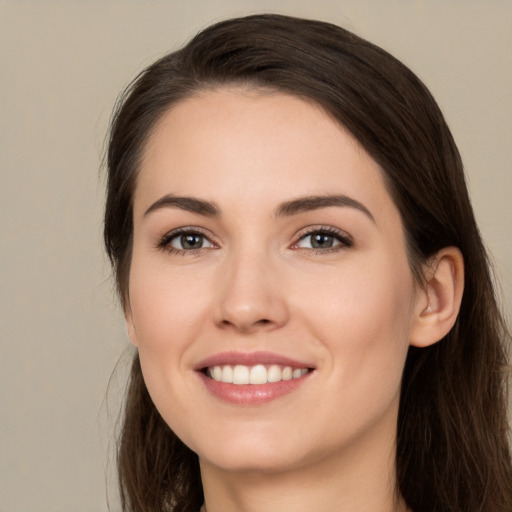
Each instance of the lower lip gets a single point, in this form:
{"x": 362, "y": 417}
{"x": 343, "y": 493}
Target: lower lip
{"x": 252, "y": 394}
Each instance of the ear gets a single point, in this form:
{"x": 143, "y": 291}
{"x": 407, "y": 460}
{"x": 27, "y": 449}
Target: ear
{"x": 130, "y": 326}
{"x": 439, "y": 301}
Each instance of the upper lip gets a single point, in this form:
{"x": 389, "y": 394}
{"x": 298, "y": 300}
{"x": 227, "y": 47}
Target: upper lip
{"x": 249, "y": 359}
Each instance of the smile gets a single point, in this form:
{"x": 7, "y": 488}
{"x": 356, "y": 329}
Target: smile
{"x": 251, "y": 379}
{"x": 257, "y": 374}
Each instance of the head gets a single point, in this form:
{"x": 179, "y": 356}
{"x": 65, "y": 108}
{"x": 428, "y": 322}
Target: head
{"x": 390, "y": 114}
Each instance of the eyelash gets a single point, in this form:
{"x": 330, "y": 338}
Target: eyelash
{"x": 345, "y": 240}
{"x": 166, "y": 240}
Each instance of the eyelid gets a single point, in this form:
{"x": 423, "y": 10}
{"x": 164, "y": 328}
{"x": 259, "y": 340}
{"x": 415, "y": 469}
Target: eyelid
{"x": 343, "y": 237}
{"x": 163, "y": 242}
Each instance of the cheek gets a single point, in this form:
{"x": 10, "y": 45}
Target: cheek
{"x": 362, "y": 322}
{"x": 363, "y": 318}
{"x": 361, "y": 290}
{"x": 166, "y": 306}
{"x": 166, "y": 317}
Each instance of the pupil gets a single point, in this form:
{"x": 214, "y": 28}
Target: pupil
{"x": 320, "y": 241}
{"x": 191, "y": 241}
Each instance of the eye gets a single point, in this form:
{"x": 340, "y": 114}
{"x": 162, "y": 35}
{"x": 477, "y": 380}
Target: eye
{"x": 318, "y": 241}
{"x": 185, "y": 241}
{"x": 324, "y": 239}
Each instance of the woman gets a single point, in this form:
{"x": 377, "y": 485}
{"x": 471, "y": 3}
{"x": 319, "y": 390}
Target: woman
{"x": 303, "y": 278}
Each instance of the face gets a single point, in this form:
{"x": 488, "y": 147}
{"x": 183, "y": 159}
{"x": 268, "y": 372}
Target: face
{"x": 270, "y": 295}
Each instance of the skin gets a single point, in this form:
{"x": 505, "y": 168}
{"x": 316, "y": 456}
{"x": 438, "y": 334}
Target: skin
{"x": 350, "y": 311}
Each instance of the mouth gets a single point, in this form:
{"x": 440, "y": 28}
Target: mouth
{"x": 252, "y": 378}
{"x": 256, "y": 374}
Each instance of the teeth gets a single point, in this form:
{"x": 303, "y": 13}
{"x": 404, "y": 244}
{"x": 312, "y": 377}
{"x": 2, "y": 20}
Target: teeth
{"x": 240, "y": 374}
{"x": 217, "y": 373}
{"x": 258, "y": 374}
{"x": 287, "y": 373}
{"x": 274, "y": 373}
{"x": 227, "y": 374}
{"x": 296, "y": 373}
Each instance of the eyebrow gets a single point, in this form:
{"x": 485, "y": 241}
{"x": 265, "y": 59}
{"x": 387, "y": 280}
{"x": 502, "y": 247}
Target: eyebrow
{"x": 286, "y": 209}
{"x": 189, "y": 204}
{"x": 309, "y": 203}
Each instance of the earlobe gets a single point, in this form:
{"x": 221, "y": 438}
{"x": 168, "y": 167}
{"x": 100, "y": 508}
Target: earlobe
{"x": 129, "y": 325}
{"x": 439, "y": 302}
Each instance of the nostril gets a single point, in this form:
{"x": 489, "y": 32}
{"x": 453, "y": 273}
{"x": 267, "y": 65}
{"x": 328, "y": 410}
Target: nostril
{"x": 246, "y": 326}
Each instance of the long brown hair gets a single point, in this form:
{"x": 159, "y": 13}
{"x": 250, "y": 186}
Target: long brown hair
{"x": 452, "y": 451}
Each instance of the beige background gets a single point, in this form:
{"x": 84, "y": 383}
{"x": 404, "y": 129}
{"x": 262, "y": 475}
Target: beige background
{"x": 62, "y": 65}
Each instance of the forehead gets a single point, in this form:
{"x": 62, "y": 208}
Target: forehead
{"x": 254, "y": 145}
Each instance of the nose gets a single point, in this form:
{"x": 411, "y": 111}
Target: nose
{"x": 251, "y": 296}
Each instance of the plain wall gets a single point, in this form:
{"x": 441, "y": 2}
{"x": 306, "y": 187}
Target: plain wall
{"x": 62, "y": 65}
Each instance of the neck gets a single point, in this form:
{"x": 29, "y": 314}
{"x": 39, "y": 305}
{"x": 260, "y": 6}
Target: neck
{"x": 358, "y": 479}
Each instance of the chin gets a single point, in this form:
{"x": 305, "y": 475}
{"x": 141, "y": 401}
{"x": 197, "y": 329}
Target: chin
{"x": 254, "y": 462}
{"x": 251, "y": 452}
